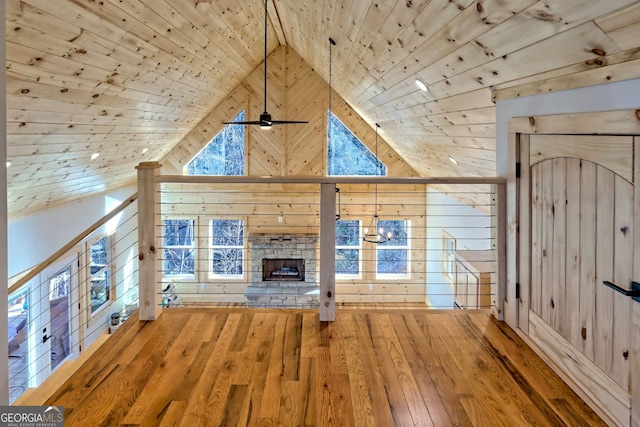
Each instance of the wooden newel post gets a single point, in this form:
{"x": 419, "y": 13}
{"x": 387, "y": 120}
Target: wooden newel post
{"x": 148, "y": 256}
{"x": 327, "y": 298}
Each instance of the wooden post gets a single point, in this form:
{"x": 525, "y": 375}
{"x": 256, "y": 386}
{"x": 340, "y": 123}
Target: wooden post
{"x": 148, "y": 220}
{"x": 327, "y": 272}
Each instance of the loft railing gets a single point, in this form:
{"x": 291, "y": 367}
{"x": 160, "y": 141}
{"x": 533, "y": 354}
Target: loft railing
{"x": 194, "y": 272}
{"x": 61, "y": 306}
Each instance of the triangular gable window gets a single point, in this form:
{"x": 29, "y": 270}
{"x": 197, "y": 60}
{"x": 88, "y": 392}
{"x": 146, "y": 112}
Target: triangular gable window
{"x": 347, "y": 155}
{"x": 223, "y": 155}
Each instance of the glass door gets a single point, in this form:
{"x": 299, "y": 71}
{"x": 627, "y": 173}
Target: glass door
{"x": 54, "y": 321}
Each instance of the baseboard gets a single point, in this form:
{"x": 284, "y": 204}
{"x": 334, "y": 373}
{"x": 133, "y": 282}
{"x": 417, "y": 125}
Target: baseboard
{"x": 610, "y": 401}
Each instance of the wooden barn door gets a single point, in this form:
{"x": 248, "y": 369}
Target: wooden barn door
{"x": 579, "y": 222}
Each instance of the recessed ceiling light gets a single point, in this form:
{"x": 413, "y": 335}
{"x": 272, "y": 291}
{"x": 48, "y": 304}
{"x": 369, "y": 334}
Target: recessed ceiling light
{"x": 9, "y": 163}
{"x": 454, "y": 161}
{"x": 145, "y": 150}
{"x": 422, "y": 85}
{"x": 94, "y": 156}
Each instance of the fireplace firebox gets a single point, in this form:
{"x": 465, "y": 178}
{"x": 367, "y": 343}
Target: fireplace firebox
{"x": 288, "y": 269}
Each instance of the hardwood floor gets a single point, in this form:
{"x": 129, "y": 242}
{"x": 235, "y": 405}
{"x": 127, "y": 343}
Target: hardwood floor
{"x": 237, "y": 367}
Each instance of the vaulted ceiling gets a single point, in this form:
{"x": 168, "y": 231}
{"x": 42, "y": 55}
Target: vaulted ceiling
{"x": 129, "y": 79}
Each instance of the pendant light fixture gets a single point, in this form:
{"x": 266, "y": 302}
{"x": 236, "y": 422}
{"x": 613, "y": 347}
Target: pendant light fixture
{"x": 332, "y": 43}
{"x": 375, "y": 233}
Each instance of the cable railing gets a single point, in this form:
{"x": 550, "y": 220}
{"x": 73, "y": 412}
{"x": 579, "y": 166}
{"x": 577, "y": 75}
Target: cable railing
{"x": 258, "y": 243}
{"x": 64, "y": 304}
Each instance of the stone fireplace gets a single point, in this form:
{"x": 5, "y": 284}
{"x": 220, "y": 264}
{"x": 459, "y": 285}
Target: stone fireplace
{"x": 283, "y": 271}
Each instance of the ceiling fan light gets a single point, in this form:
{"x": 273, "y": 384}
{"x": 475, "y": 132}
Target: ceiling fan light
{"x": 265, "y": 121}
{"x": 422, "y": 85}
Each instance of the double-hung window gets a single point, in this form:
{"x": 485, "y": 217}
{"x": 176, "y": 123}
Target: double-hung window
{"x": 179, "y": 248}
{"x": 227, "y": 248}
{"x": 348, "y": 248}
{"x": 392, "y": 257}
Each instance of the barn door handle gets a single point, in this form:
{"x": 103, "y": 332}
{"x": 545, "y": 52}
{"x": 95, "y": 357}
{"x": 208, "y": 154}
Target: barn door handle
{"x": 634, "y": 293}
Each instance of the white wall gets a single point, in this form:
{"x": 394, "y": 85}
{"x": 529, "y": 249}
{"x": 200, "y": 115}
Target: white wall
{"x": 34, "y": 238}
{"x": 470, "y": 227}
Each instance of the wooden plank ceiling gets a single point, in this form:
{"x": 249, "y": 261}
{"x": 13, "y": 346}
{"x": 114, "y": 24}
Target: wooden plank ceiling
{"x": 129, "y": 79}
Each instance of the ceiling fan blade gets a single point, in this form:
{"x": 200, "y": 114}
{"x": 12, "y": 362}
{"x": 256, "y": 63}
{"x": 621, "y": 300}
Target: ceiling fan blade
{"x": 285, "y": 122}
{"x": 273, "y": 122}
{"x": 254, "y": 122}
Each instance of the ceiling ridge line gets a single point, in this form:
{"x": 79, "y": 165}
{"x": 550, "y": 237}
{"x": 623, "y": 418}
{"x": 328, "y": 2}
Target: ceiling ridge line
{"x": 274, "y": 17}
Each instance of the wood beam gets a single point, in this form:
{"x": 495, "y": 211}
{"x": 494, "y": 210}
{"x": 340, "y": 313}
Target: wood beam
{"x": 274, "y": 17}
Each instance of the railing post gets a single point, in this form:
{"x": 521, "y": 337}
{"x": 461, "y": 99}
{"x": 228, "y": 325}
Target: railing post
{"x": 148, "y": 224}
{"x": 327, "y": 298}
{"x": 499, "y": 228}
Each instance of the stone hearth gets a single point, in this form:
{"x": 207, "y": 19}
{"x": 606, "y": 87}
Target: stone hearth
{"x": 285, "y": 293}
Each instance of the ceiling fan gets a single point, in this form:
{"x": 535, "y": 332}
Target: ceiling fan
{"x": 265, "y": 121}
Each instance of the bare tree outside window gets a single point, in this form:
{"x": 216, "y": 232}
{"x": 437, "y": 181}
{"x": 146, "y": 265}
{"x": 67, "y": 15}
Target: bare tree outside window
{"x": 179, "y": 247}
{"x": 223, "y": 155}
{"x": 393, "y": 256}
{"x": 348, "y": 247}
{"x": 347, "y": 155}
{"x": 227, "y": 248}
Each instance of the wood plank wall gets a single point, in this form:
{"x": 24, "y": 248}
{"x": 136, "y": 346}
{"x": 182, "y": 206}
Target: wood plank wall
{"x": 284, "y": 209}
{"x": 295, "y": 92}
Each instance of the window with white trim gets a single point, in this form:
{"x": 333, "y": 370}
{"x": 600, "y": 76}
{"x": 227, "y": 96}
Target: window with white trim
{"x": 179, "y": 251}
{"x": 348, "y": 249}
{"x": 227, "y": 248}
{"x": 99, "y": 273}
{"x": 392, "y": 257}
{"x": 448, "y": 256}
